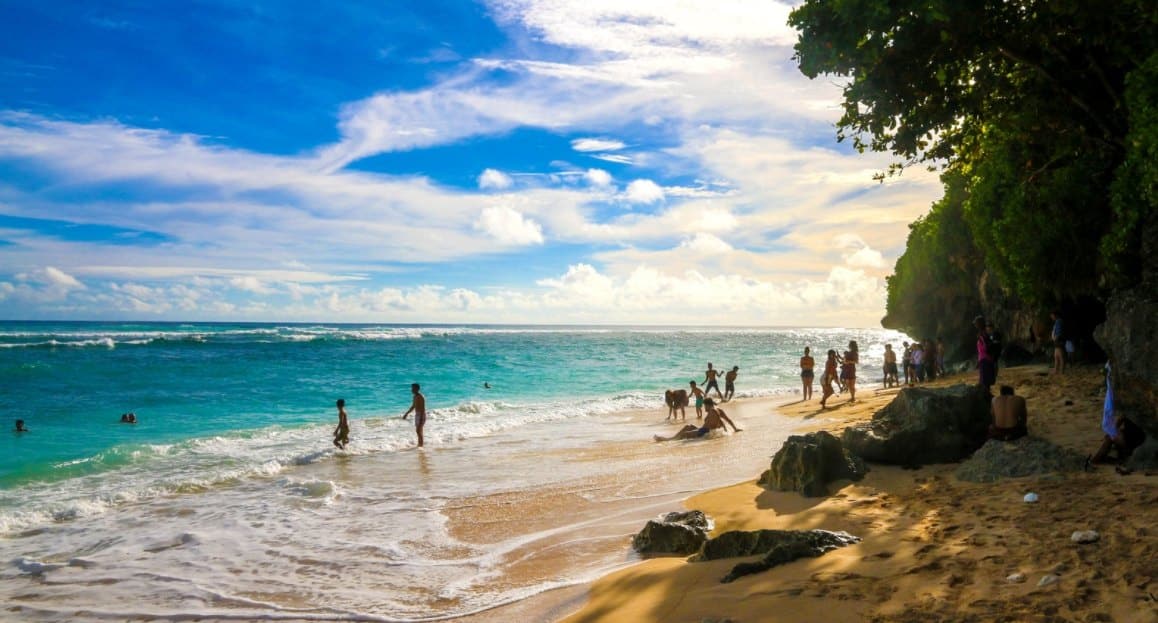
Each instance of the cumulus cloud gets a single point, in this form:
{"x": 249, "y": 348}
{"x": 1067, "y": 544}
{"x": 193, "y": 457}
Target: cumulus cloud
{"x": 492, "y": 179}
{"x": 510, "y": 227}
{"x": 597, "y": 177}
{"x": 706, "y": 244}
{"x": 643, "y": 191}
{"x": 596, "y": 144}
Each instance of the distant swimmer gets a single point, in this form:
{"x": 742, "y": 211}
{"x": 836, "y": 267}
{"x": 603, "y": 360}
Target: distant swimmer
{"x": 20, "y": 427}
{"x": 342, "y": 432}
{"x": 486, "y": 385}
{"x": 418, "y": 406}
{"x": 714, "y": 419}
{"x": 128, "y": 418}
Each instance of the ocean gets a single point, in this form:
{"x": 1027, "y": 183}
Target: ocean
{"x": 227, "y": 499}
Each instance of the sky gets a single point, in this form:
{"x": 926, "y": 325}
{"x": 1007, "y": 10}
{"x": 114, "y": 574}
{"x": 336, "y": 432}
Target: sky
{"x": 503, "y": 161}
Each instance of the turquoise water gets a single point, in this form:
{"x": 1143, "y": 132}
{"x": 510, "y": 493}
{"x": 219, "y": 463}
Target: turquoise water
{"x": 227, "y": 499}
{"x": 70, "y": 382}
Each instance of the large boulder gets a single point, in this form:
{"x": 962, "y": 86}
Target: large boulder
{"x": 1130, "y": 338}
{"x": 807, "y": 463}
{"x": 924, "y": 425}
{"x": 674, "y": 533}
{"x": 778, "y": 547}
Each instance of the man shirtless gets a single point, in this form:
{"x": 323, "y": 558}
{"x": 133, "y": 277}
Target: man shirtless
{"x": 713, "y": 420}
{"x": 1009, "y": 416}
{"x": 418, "y": 406}
{"x": 699, "y": 396}
{"x": 711, "y": 380}
{"x": 730, "y": 383}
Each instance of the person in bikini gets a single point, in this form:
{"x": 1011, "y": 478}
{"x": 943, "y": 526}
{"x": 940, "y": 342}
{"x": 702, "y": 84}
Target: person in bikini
{"x": 827, "y": 378}
{"x": 806, "y": 374}
{"x": 716, "y": 418}
{"x": 848, "y": 369}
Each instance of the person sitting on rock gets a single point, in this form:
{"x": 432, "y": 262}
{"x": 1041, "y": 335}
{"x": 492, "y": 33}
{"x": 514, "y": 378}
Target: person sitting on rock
{"x": 1121, "y": 434}
{"x": 1009, "y": 416}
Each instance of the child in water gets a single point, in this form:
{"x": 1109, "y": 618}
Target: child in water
{"x": 342, "y": 432}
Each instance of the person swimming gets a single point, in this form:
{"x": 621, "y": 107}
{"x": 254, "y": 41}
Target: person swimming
{"x": 20, "y": 428}
{"x": 128, "y": 418}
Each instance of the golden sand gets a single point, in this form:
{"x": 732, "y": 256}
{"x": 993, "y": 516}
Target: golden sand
{"x": 933, "y": 548}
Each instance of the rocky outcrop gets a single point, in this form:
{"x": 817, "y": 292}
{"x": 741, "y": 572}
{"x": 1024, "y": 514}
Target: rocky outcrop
{"x": 674, "y": 533}
{"x": 807, "y": 463}
{"x": 777, "y": 546}
{"x": 924, "y": 425}
{"x": 1027, "y": 456}
{"x": 1130, "y": 338}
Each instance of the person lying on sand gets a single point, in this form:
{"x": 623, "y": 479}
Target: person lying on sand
{"x": 714, "y": 419}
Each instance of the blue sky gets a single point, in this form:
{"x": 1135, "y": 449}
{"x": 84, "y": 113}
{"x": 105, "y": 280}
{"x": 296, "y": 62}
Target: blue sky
{"x": 506, "y": 161}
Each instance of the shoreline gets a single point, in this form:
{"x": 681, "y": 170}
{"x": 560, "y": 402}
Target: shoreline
{"x": 933, "y": 546}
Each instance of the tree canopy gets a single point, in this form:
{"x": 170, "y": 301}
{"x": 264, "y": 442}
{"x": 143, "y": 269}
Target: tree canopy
{"x": 1044, "y": 111}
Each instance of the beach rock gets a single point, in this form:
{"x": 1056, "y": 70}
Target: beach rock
{"x": 777, "y": 546}
{"x": 1027, "y": 456}
{"x": 1085, "y": 536}
{"x": 1015, "y": 578}
{"x": 924, "y": 425}
{"x": 807, "y": 463}
{"x": 674, "y": 533}
{"x": 1130, "y": 337}
{"x": 1046, "y": 580}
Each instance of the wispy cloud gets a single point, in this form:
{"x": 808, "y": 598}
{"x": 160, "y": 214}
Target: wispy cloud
{"x": 596, "y": 144}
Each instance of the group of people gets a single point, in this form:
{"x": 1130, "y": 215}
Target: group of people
{"x": 920, "y": 362}
{"x": 845, "y": 378}
{"x": 677, "y": 400}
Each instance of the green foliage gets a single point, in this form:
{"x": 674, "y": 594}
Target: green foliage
{"x": 1044, "y": 111}
{"x": 935, "y": 278}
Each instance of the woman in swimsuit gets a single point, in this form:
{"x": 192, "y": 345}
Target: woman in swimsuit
{"x": 828, "y": 377}
{"x": 848, "y": 370}
{"x": 806, "y": 365}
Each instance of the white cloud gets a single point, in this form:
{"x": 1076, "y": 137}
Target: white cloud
{"x": 616, "y": 158}
{"x": 643, "y": 191}
{"x": 509, "y": 227}
{"x": 492, "y": 179}
{"x": 706, "y": 244}
{"x": 596, "y": 144}
{"x": 598, "y": 178}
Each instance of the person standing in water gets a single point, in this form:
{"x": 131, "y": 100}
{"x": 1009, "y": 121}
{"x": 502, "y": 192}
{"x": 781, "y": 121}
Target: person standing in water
{"x": 807, "y": 363}
{"x": 342, "y": 432}
{"x": 418, "y": 406}
{"x": 699, "y": 396}
{"x": 20, "y": 428}
{"x": 730, "y": 383}
{"x": 711, "y": 379}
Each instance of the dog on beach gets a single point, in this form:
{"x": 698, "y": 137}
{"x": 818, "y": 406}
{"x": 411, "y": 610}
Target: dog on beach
{"x": 676, "y": 399}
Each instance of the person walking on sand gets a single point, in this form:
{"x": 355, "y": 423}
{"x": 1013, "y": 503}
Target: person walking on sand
{"x": 711, "y": 380}
{"x": 418, "y": 406}
{"x": 806, "y": 373}
{"x": 715, "y": 419}
{"x": 730, "y": 383}
{"x": 848, "y": 369}
{"x": 827, "y": 378}
{"x": 699, "y": 394}
{"x": 342, "y": 432}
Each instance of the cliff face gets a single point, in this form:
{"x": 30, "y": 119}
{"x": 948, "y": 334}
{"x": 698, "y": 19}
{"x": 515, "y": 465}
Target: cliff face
{"x": 1130, "y": 337}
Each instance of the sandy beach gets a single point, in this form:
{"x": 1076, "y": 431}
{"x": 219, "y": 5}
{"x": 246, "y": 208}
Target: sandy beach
{"x": 933, "y": 547}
